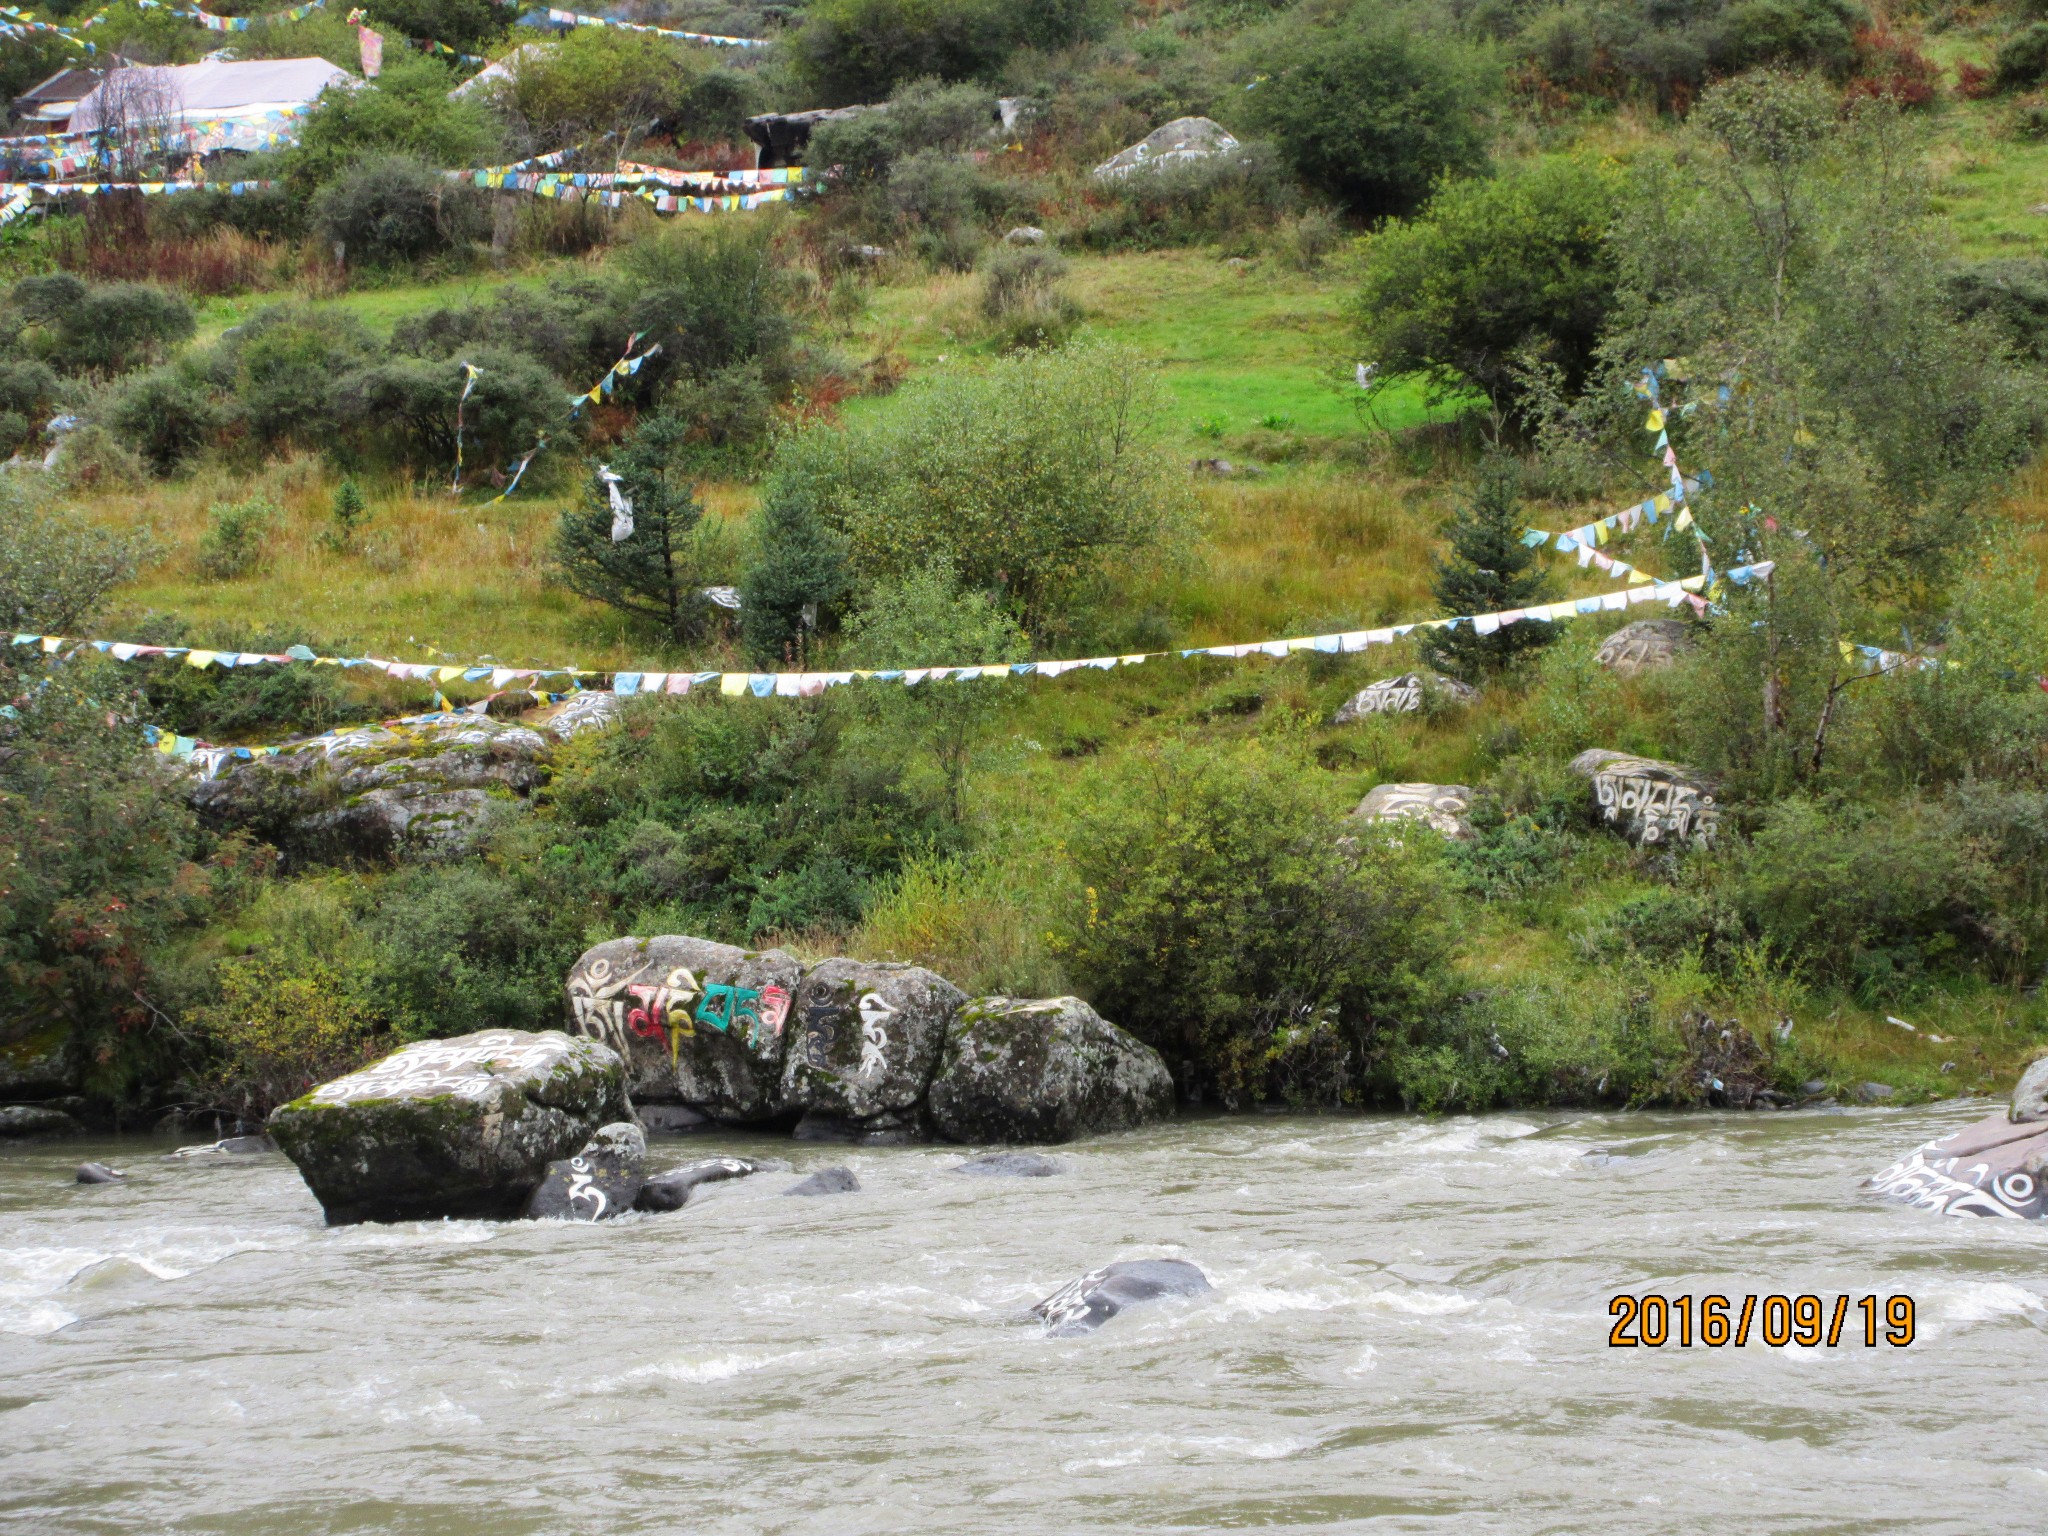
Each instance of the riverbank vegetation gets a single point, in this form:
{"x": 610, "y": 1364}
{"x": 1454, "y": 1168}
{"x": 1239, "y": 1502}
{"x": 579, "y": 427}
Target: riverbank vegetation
{"x": 1315, "y": 384}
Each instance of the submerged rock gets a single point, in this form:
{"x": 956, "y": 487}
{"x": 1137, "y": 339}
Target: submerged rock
{"x": 671, "y": 1191}
{"x": 826, "y": 1181}
{"x": 98, "y": 1173}
{"x": 1650, "y": 801}
{"x": 1018, "y": 1069}
{"x": 1086, "y": 1304}
{"x": 865, "y": 1039}
{"x": 1996, "y": 1167}
{"x": 1009, "y": 1165}
{"x": 699, "y": 1023}
{"x": 451, "y": 1128}
{"x": 673, "y": 1119}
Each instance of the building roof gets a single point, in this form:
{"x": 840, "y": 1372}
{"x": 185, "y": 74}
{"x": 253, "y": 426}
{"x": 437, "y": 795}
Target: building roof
{"x": 213, "y": 89}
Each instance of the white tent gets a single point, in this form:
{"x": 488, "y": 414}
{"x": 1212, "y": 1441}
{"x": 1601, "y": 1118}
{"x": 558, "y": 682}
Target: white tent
{"x": 184, "y": 93}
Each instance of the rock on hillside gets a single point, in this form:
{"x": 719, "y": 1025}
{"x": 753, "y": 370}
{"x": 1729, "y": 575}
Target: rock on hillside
{"x": 1445, "y": 807}
{"x": 464, "y": 1127}
{"x": 1647, "y": 645}
{"x": 1183, "y": 140}
{"x": 380, "y": 792}
{"x": 1650, "y": 801}
{"x": 1043, "y": 1070}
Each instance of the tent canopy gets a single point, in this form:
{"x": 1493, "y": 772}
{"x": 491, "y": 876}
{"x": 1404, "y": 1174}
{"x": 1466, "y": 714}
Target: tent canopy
{"x": 213, "y": 89}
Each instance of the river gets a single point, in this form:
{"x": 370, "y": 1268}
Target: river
{"x": 1408, "y": 1333}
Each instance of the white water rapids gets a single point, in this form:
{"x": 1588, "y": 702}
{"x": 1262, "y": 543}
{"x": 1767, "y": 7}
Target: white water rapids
{"x": 1408, "y": 1334}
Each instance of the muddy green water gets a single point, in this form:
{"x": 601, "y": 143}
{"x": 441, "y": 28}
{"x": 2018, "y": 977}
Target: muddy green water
{"x": 1408, "y": 1334}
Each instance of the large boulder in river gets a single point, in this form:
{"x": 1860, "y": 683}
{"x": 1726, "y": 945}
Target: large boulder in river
{"x": 1444, "y": 807}
{"x": 1019, "y": 1070}
{"x": 866, "y": 1038}
{"x": 384, "y": 791}
{"x": 1179, "y": 142}
{"x": 1649, "y": 801}
{"x": 1648, "y": 645}
{"x": 464, "y": 1127}
{"x": 602, "y": 1181}
{"x": 698, "y": 1023}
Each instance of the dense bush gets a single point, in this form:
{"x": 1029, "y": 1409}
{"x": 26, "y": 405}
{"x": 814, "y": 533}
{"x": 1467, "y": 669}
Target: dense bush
{"x": 462, "y": 24}
{"x": 598, "y": 81}
{"x": 575, "y": 327}
{"x": 713, "y": 297}
{"x": 2022, "y": 61}
{"x": 237, "y": 533}
{"x": 1022, "y": 299}
{"x": 1368, "y": 108}
{"x": 100, "y": 327}
{"x": 1221, "y": 921}
{"x": 1492, "y": 272}
{"x": 406, "y": 112}
{"x": 165, "y": 415}
{"x": 1029, "y": 478}
{"x": 858, "y": 50}
{"x": 403, "y": 410}
{"x": 2013, "y": 293}
{"x": 27, "y": 387}
{"x": 283, "y": 364}
{"x": 390, "y": 209}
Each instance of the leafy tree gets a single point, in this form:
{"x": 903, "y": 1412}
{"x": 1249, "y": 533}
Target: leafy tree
{"x": 1490, "y": 570}
{"x": 166, "y": 415}
{"x": 600, "y": 83}
{"x": 462, "y": 24}
{"x": 1489, "y": 271}
{"x": 657, "y": 571}
{"x": 56, "y": 566}
{"x": 712, "y": 297}
{"x": 922, "y": 620}
{"x": 404, "y": 409}
{"x": 1034, "y": 479}
{"x": 796, "y": 564}
{"x": 1367, "y": 108}
{"x": 405, "y": 111}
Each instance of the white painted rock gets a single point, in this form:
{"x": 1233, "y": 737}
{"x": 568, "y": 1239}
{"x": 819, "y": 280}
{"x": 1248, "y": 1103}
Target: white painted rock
{"x": 1402, "y": 695}
{"x": 866, "y": 1038}
{"x": 1445, "y": 807}
{"x": 1644, "y": 646}
{"x": 1648, "y": 801}
{"x": 464, "y": 1127}
{"x": 1183, "y": 140}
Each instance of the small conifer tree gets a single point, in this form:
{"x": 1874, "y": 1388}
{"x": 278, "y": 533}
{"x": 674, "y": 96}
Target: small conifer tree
{"x": 795, "y": 574}
{"x": 349, "y": 512}
{"x": 1489, "y": 570}
{"x": 657, "y": 570}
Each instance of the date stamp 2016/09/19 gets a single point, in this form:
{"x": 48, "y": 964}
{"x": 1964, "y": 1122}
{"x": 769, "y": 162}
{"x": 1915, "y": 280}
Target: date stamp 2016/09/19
{"x": 1715, "y": 1322}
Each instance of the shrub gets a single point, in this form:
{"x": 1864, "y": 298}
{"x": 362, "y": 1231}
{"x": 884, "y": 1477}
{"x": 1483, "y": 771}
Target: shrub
{"x": 405, "y": 112}
{"x": 1021, "y": 297}
{"x": 347, "y": 515}
{"x": 217, "y": 701}
{"x": 859, "y": 50}
{"x": 2022, "y": 59}
{"x": 279, "y": 1029}
{"x": 286, "y": 362}
{"x": 166, "y": 415}
{"x": 26, "y": 387}
{"x": 1029, "y": 478}
{"x": 119, "y": 326}
{"x": 57, "y": 566}
{"x": 403, "y": 410}
{"x": 2013, "y": 293}
{"x": 713, "y": 297}
{"x": 1892, "y": 68}
{"x": 1800, "y": 34}
{"x": 1490, "y": 571}
{"x": 925, "y": 620}
{"x": 236, "y": 532}
{"x": 1489, "y": 270}
{"x": 598, "y": 81}
{"x": 1220, "y": 920}
{"x": 1367, "y": 109}
{"x": 392, "y": 209}
{"x": 464, "y": 24}
{"x": 13, "y": 430}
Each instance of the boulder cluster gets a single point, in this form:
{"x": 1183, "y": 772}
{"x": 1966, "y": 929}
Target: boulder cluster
{"x": 848, "y": 1050}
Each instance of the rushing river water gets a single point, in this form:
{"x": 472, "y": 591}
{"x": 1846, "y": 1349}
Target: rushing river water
{"x": 1408, "y": 1333}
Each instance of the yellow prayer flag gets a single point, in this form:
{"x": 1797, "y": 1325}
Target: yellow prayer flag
{"x": 449, "y": 674}
{"x": 200, "y": 659}
{"x": 734, "y": 683}
{"x": 1655, "y": 423}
